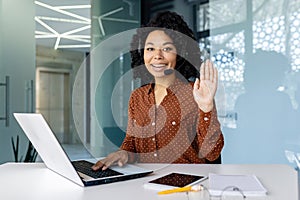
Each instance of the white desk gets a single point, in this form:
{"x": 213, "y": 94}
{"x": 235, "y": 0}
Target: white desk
{"x": 33, "y": 181}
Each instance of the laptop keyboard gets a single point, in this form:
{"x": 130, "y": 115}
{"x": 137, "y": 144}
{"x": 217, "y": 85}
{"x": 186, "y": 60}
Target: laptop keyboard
{"x": 85, "y": 168}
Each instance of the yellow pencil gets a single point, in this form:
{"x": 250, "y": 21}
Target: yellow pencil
{"x": 182, "y": 189}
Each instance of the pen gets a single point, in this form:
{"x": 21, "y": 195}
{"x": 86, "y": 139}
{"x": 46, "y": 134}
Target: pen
{"x": 182, "y": 189}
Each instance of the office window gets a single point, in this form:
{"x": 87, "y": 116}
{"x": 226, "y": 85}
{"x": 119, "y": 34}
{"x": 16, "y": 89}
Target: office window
{"x": 255, "y": 46}
{"x": 229, "y": 31}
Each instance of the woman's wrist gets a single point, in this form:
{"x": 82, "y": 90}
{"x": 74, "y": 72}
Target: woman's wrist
{"x": 131, "y": 157}
{"x": 123, "y": 154}
{"x": 206, "y": 108}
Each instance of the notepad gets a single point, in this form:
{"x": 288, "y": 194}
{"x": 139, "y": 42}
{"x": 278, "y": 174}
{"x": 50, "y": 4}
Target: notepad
{"x": 248, "y": 184}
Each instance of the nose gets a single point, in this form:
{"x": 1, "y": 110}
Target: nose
{"x": 158, "y": 54}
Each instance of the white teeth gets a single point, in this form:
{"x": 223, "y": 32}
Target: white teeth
{"x": 158, "y": 65}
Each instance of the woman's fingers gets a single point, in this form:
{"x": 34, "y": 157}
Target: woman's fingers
{"x": 119, "y": 157}
{"x": 98, "y": 165}
{"x": 215, "y": 78}
{"x": 105, "y": 163}
{"x": 197, "y": 84}
{"x": 109, "y": 162}
{"x": 202, "y": 71}
{"x": 211, "y": 71}
{"x": 208, "y": 71}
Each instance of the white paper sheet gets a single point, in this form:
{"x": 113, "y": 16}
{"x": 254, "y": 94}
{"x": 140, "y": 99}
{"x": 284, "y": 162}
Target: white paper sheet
{"x": 249, "y": 185}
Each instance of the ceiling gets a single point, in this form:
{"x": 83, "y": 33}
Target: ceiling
{"x": 63, "y": 24}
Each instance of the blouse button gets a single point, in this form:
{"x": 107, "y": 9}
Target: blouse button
{"x": 173, "y": 123}
{"x": 205, "y": 118}
{"x": 155, "y": 154}
{"x": 153, "y": 123}
{"x": 153, "y": 139}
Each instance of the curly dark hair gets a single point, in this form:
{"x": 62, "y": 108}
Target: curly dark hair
{"x": 188, "y": 52}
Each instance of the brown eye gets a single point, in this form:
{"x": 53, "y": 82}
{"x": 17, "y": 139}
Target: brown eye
{"x": 167, "y": 49}
{"x": 150, "y": 49}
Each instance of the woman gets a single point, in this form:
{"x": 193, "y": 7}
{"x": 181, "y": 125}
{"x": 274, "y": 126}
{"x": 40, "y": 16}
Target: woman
{"x": 170, "y": 118}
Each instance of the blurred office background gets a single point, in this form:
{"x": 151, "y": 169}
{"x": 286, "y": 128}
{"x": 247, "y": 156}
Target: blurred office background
{"x": 69, "y": 60}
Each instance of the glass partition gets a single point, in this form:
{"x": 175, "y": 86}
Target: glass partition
{"x": 110, "y": 79}
{"x": 254, "y": 45}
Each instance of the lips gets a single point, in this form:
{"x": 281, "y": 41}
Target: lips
{"x": 158, "y": 67}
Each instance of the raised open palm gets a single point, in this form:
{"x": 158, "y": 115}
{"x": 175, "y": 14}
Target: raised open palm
{"x": 205, "y": 89}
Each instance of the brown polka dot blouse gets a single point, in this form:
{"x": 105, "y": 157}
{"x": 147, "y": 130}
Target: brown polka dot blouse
{"x": 176, "y": 131}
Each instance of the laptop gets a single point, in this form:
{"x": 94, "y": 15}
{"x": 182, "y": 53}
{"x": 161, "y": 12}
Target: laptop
{"x": 55, "y": 158}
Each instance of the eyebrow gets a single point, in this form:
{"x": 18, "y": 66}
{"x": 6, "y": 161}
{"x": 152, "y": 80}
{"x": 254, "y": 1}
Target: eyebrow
{"x": 166, "y": 43}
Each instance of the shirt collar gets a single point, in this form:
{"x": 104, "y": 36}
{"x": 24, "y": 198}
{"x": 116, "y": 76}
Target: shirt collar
{"x": 174, "y": 87}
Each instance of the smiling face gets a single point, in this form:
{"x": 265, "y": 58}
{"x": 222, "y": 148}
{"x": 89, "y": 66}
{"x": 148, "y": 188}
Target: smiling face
{"x": 159, "y": 53}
